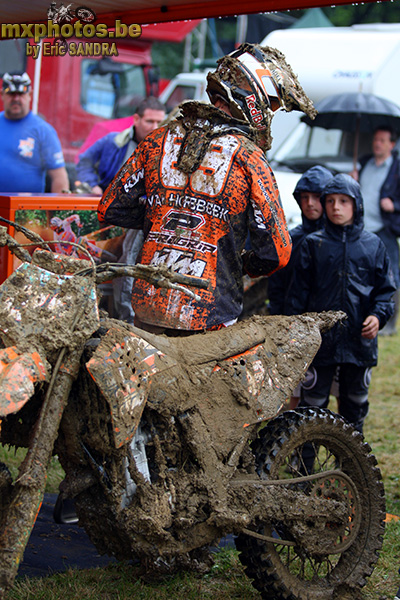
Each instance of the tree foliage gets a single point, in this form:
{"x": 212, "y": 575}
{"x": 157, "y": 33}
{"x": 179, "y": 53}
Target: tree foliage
{"x": 370, "y": 12}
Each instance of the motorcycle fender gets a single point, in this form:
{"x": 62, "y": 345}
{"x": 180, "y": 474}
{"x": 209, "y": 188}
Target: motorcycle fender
{"x": 122, "y": 367}
{"x": 40, "y": 305}
{"x": 258, "y": 379}
{"x": 18, "y": 374}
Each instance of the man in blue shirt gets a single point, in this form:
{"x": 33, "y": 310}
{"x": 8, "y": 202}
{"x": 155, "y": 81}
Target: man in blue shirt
{"x": 28, "y": 145}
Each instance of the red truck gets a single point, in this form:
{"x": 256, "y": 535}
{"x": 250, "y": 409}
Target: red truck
{"x": 76, "y": 91}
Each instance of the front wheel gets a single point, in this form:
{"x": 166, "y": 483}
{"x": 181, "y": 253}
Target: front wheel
{"x": 85, "y": 14}
{"x": 299, "y": 443}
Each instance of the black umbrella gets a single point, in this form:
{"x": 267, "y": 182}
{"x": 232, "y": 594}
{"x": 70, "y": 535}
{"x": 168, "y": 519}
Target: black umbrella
{"x": 355, "y": 113}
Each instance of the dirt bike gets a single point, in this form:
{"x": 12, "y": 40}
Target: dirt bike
{"x": 65, "y": 14}
{"x": 171, "y": 443}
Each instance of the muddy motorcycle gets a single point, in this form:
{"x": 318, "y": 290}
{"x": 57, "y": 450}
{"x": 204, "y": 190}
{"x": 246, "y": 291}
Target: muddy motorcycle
{"x": 171, "y": 443}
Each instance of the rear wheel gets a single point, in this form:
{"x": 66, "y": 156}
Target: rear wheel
{"x": 85, "y": 14}
{"x": 332, "y": 562}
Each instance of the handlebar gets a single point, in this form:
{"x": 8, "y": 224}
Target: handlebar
{"x": 158, "y": 275}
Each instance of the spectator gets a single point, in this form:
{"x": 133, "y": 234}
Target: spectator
{"x": 307, "y": 194}
{"x": 28, "y": 145}
{"x": 343, "y": 267}
{"x": 200, "y": 184}
{"x": 379, "y": 181}
{"x": 99, "y": 164}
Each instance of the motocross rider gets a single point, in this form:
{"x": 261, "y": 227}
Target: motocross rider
{"x": 199, "y": 185}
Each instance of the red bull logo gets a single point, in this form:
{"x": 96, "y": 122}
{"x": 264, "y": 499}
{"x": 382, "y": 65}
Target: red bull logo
{"x": 256, "y": 114}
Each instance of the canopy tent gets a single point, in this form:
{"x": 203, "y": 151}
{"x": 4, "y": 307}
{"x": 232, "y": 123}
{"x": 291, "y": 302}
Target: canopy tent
{"x": 315, "y": 17}
{"x": 156, "y": 11}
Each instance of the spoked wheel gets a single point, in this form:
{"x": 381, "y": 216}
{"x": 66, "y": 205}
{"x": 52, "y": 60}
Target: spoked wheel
{"x": 85, "y": 14}
{"x": 319, "y": 561}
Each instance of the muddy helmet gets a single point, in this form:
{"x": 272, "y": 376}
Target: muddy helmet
{"x": 16, "y": 82}
{"x": 256, "y": 81}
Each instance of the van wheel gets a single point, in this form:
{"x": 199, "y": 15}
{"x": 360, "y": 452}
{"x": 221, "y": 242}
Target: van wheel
{"x": 295, "y": 444}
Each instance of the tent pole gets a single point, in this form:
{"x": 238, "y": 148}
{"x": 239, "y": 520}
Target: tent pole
{"x": 36, "y": 79}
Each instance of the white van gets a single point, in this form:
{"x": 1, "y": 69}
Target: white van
{"x": 185, "y": 86}
{"x": 330, "y": 61}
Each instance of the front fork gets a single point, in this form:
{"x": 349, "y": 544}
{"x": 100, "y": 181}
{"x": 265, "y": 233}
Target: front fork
{"x": 28, "y": 490}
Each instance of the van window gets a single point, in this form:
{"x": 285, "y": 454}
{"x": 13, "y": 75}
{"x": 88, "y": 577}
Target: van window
{"x": 324, "y": 142}
{"x": 307, "y": 146}
{"x": 310, "y": 142}
{"x": 113, "y": 89}
{"x": 179, "y": 94}
{"x": 12, "y": 56}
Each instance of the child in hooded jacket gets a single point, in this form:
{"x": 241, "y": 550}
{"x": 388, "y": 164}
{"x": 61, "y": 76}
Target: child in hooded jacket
{"x": 343, "y": 267}
{"x": 307, "y": 194}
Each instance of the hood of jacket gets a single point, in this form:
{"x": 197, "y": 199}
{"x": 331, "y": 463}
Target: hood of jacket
{"x": 123, "y": 137}
{"x": 344, "y": 184}
{"x": 314, "y": 181}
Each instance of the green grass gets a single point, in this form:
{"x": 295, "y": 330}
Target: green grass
{"x": 227, "y": 580}
{"x": 382, "y": 433}
{"x": 12, "y": 458}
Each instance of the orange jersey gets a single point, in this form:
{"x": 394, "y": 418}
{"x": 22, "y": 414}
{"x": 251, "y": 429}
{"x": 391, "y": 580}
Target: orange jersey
{"x": 198, "y": 223}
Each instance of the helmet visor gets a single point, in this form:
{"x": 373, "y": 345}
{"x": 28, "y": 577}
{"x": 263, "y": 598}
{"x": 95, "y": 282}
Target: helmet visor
{"x": 262, "y": 77}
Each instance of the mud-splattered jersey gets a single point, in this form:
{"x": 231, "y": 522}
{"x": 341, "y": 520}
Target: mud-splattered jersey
{"x": 198, "y": 223}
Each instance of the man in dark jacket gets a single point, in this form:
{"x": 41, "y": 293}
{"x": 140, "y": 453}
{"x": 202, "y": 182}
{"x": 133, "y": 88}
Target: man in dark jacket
{"x": 307, "y": 194}
{"x": 343, "y": 267}
{"x": 99, "y": 164}
{"x": 379, "y": 181}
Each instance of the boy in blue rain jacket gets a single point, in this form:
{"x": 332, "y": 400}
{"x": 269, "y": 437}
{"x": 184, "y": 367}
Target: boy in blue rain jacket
{"x": 343, "y": 267}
